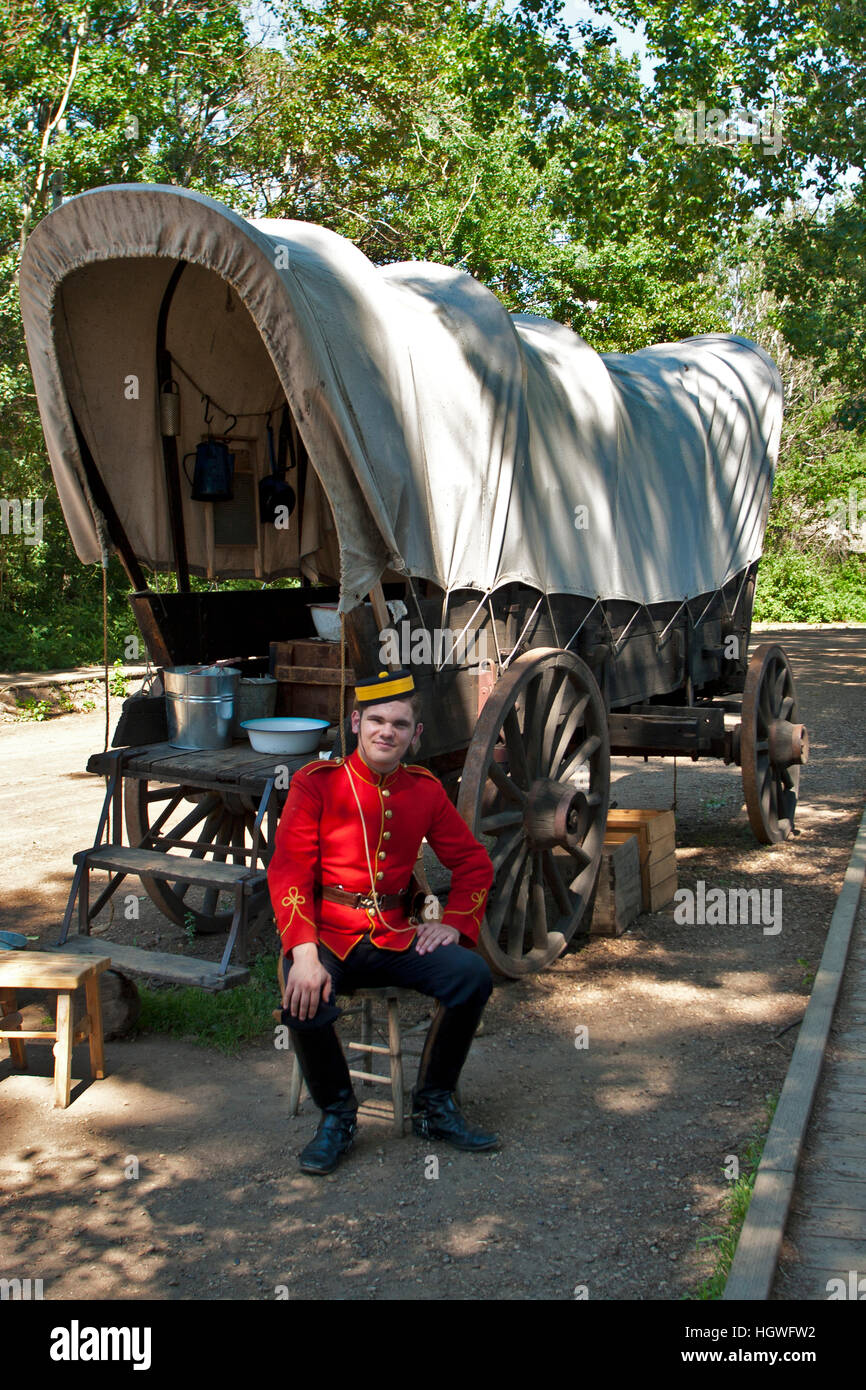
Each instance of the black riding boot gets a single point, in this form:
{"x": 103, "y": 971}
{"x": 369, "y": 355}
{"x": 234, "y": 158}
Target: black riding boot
{"x": 435, "y": 1113}
{"x": 327, "y": 1076}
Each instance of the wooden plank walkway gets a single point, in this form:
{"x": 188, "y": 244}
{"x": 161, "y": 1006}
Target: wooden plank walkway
{"x": 825, "y": 1238}
{"x": 754, "y": 1266}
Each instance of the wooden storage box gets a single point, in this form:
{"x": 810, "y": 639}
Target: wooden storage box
{"x": 619, "y": 895}
{"x": 308, "y": 678}
{"x": 656, "y": 836}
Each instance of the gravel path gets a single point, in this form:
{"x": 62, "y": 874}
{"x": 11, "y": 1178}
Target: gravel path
{"x": 613, "y": 1157}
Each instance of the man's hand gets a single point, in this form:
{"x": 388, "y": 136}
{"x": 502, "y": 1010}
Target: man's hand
{"x": 308, "y": 980}
{"x": 433, "y": 934}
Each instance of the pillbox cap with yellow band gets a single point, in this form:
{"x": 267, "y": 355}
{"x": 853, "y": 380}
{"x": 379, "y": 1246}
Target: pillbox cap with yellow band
{"x": 388, "y": 685}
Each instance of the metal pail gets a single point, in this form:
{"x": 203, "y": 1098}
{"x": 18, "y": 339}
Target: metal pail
{"x": 200, "y": 705}
{"x": 256, "y": 699}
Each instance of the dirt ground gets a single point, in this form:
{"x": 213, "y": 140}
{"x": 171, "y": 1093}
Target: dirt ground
{"x": 176, "y": 1177}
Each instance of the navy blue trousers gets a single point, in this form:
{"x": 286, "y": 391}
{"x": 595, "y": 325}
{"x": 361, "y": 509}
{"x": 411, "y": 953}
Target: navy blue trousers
{"x": 450, "y": 974}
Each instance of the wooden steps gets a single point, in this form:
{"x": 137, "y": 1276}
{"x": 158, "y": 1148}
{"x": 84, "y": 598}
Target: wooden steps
{"x": 170, "y": 867}
{"x": 176, "y": 970}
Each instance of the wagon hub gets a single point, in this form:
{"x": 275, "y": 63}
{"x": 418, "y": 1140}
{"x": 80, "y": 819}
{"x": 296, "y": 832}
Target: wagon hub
{"x": 556, "y": 814}
{"x": 787, "y": 743}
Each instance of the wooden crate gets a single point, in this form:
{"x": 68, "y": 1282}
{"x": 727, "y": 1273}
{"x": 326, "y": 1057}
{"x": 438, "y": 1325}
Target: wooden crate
{"x": 308, "y": 679}
{"x": 619, "y": 895}
{"x": 656, "y": 835}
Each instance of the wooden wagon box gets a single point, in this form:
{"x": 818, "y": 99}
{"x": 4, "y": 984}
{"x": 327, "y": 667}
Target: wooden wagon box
{"x": 656, "y": 835}
{"x": 308, "y": 678}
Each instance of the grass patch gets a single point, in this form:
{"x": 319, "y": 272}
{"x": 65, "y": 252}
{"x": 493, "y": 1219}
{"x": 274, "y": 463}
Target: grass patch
{"x": 223, "y": 1020}
{"x": 736, "y": 1202}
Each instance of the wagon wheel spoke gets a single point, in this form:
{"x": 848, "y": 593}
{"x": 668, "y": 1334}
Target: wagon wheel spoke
{"x": 173, "y": 802}
{"x": 515, "y": 927}
{"x": 506, "y": 847}
{"x": 239, "y": 835}
{"x": 504, "y": 784}
{"x": 534, "y": 715}
{"x": 507, "y": 885}
{"x": 581, "y": 859}
{"x": 209, "y": 902}
{"x": 569, "y": 728}
{"x": 558, "y": 887}
{"x": 218, "y": 823}
{"x": 206, "y": 839}
{"x": 552, "y": 724}
{"x": 537, "y": 906}
{"x": 158, "y": 793}
{"x": 516, "y": 750}
{"x": 202, "y": 810}
{"x": 586, "y": 750}
{"x": 547, "y": 716}
{"x": 765, "y": 712}
{"x": 502, "y": 820}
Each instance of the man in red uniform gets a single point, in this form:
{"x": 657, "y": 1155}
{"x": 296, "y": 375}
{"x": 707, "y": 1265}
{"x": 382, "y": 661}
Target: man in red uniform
{"x": 346, "y": 846}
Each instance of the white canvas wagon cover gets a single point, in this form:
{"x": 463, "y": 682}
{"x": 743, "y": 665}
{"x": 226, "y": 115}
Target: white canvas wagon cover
{"x": 448, "y": 439}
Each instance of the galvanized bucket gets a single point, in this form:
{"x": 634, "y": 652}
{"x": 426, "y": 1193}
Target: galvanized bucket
{"x": 200, "y": 705}
{"x": 256, "y": 699}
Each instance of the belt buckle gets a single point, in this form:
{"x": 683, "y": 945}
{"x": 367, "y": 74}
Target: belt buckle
{"x": 367, "y": 903}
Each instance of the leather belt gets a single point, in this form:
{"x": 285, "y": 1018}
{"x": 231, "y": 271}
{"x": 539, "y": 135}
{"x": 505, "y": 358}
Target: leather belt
{"x": 387, "y": 901}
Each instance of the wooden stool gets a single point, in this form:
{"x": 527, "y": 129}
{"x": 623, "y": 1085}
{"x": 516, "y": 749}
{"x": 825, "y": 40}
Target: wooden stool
{"x": 65, "y": 974}
{"x": 390, "y": 996}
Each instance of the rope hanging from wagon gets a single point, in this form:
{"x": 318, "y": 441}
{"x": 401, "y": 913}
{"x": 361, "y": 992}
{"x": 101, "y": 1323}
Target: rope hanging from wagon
{"x": 105, "y": 635}
{"x": 343, "y": 686}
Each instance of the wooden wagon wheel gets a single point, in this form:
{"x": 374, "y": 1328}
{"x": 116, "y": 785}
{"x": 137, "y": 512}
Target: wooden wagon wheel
{"x": 535, "y": 784}
{"x": 773, "y": 745}
{"x": 219, "y": 825}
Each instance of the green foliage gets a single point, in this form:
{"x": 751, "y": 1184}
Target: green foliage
{"x": 34, "y": 709}
{"x": 812, "y": 570}
{"x": 223, "y": 1020}
{"x": 736, "y": 1204}
{"x": 492, "y": 138}
{"x": 808, "y": 972}
{"x": 117, "y": 681}
{"x": 817, "y": 269}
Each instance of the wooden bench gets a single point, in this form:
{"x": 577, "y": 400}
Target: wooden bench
{"x": 64, "y": 974}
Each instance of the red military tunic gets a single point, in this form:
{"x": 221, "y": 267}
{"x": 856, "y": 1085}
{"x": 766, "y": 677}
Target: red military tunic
{"x": 320, "y": 841}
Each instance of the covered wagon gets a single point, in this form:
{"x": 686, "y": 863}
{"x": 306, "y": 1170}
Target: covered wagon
{"x": 573, "y": 540}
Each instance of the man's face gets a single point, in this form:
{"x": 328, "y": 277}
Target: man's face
{"x": 385, "y": 733}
